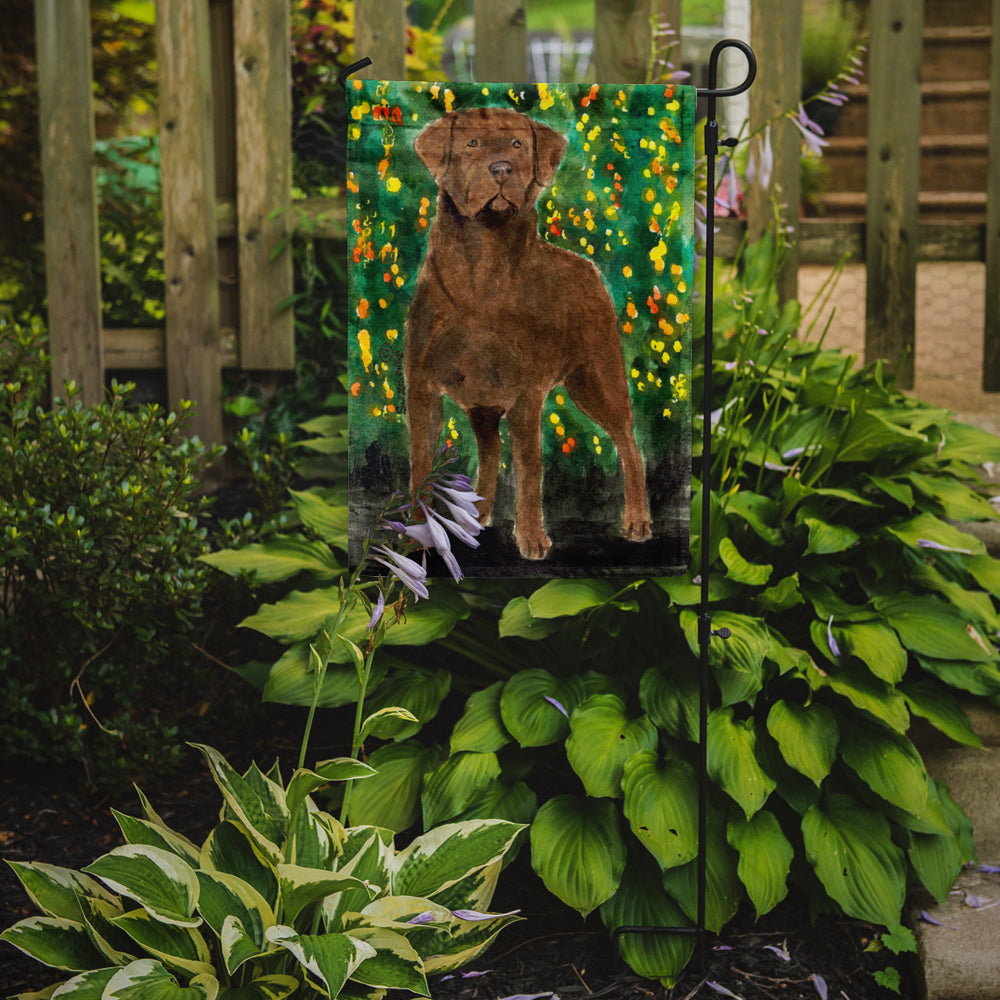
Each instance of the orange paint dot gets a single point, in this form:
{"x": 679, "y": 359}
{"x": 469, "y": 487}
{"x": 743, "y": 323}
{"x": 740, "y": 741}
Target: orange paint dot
{"x": 363, "y": 308}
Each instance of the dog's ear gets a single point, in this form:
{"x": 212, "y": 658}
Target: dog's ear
{"x": 433, "y": 145}
{"x": 549, "y": 148}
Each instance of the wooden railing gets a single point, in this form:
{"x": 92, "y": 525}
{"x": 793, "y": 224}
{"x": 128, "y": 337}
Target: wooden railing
{"x": 226, "y": 160}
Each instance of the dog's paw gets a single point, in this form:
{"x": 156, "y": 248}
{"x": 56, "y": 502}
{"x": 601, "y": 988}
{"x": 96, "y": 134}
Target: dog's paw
{"x": 534, "y": 544}
{"x": 485, "y": 510}
{"x": 639, "y": 530}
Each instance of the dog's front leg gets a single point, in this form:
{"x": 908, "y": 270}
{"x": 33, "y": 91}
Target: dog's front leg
{"x": 486, "y": 426}
{"x": 425, "y": 417}
{"x": 524, "y": 421}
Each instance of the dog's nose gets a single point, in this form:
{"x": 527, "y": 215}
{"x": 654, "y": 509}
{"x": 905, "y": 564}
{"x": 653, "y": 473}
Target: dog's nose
{"x": 501, "y": 170}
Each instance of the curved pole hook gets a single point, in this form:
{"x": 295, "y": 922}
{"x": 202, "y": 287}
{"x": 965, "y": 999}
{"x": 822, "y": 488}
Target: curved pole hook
{"x": 712, "y": 90}
{"x": 353, "y": 68}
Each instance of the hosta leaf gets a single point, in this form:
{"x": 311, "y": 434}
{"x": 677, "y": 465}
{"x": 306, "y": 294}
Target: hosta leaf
{"x": 578, "y": 851}
{"x": 180, "y": 948}
{"x": 932, "y": 628}
{"x": 225, "y": 897}
{"x": 723, "y": 889}
{"x": 888, "y": 763}
{"x": 456, "y": 784}
{"x": 141, "y": 831}
{"x": 391, "y": 798}
{"x": 937, "y": 860}
{"x": 466, "y": 941}
{"x": 928, "y": 528}
{"x": 661, "y": 799}
{"x": 641, "y": 901}
{"x": 159, "y": 881}
{"x": 263, "y": 812}
{"x": 807, "y": 736}
{"x": 530, "y": 706}
{"x": 758, "y": 511}
{"x": 765, "y": 858}
{"x": 481, "y": 728}
{"x": 739, "y": 569}
{"x": 956, "y": 500}
{"x": 389, "y": 723}
{"x": 279, "y": 558}
{"x": 516, "y": 803}
{"x": 87, "y": 986}
{"x": 147, "y": 979}
{"x": 395, "y": 964}
{"x": 517, "y": 620}
{"x": 876, "y": 646}
{"x": 417, "y": 690}
{"x": 870, "y": 435}
{"x": 330, "y": 959}
{"x": 850, "y": 848}
{"x": 275, "y": 987}
{"x": 56, "y": 891}
{"x": 327, "y": 520}
{"x": 366, "y": 855}
{"x": 292, "y": 681}
{"x": 562, "y": 597}
{"x": 301, "y": 887}
{"x": 304, "y": 782}
{"x": 98, "y": 916}
{"x": 602, "y": 738}
{"x": 54, "y": 941}
{"x": 732, "y": 761}
{"x": 230, "y": 849}
{"x": 738, "y": 661}
{"x": 976, "y": 678}
{"x": 866, "y": 692}
{"x": 986, "y": 571}
{"x": 441, "y": 857}
{"x": 671, "y": 699}
{"x": 783, "y": 595}
{"x": 828, "y": 539}
{"x": 936, "y": 704}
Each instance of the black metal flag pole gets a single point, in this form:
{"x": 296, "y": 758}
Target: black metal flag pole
{"x": 705, "y": 631}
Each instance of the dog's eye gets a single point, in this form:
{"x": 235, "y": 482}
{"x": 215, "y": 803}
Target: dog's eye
{"x": 516, "y": 143}
{"x": 472, "y": 143}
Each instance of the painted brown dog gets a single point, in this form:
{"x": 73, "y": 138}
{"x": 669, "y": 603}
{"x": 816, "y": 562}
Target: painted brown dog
{"x": 499, "y": 317}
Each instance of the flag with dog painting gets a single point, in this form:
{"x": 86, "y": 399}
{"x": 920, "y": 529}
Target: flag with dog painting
{"x": 520, "y": 263}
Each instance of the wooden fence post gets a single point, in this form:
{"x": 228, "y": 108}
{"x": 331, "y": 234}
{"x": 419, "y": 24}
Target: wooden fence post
{"x": 190, "y": 251}
{"x": 776, "y": 35}
{"x": 624, "y": 38}
{"x": 262, "y": 61}
{"x": 893, "y": 183}
{"x": 380, "y": 34}
{"x": 72, "y": 256}
{"x": 991, "y": 333}
{"x": 501, "y": 40}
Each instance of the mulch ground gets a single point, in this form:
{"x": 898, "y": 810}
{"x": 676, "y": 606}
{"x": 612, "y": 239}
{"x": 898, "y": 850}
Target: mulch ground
{"x": 550, "y": 953}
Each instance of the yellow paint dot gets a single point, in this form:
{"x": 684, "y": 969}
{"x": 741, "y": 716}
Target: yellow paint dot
{"x": 560, "y": 399}
{"x": 393, "y": 184}
{"x": 391, "y": 335}
{"x": 627, "y": 271}
{"x": 554, "y": 418}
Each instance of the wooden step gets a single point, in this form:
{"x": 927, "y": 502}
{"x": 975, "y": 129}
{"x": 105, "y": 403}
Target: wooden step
{"x": 946, "y": 106}
{"x": 956, "y": 53}
{"x": 947, "y": 163}
{"x": 940, "y": 13}
{"x": 956, "y": 206}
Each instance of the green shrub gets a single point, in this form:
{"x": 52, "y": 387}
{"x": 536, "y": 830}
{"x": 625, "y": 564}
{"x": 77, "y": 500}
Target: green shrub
{"x": 280, "y": 899}
{"x": 99, "y": 546}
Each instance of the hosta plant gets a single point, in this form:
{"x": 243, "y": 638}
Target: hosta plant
{"x": 279, "y": 900}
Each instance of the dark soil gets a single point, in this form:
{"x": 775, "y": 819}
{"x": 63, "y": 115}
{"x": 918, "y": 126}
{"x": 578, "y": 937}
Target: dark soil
{"x": 551, "y": 952}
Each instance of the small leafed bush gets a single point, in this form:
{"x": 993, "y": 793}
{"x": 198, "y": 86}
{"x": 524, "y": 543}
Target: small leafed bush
{"x": 280, "y": 899}
{"x": 99, "y": 574}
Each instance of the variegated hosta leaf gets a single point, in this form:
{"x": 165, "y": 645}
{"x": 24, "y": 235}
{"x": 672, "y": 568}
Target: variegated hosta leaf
{"x": 304, "y": 782}
{"x": 56, "y": 891}
{"x": 315, "y": 838}
{"x": 158, "y": 880}
{"x": 230, "y": 849}
{"x": 441, "y": 857}
{"x": 578, "y": 851}
{"x": 224, "y": 898}
{"x": 765, "y": 858}
{"x": 147, "y": 979}
{"x": 86, "y": 986}
{"x": 141, "y": 831}
{"x": 732, "y": 760}
{"x": 807, "y": 736}
{"x": 395, "y": 964}
{"x": 642, "y": 902}
{"x": 661, "y": 799}
{"x": 328, "y": 959}
{"x": 54, "y": 941}
{"x": 475, "y": 891}
{"x": 300, "y": 887}
{"x": 274, "y": 987}
{"x": 850, "y": 847}
{"x": 481, "y": 728}
{"x": 367, "y": 853}
{"x": 602, "y": 737}
{"x": 177, "y": 947}
{"x": 116, "y": 946}
{"x": 256, "y": 801}
{"x": 468, "y": 939}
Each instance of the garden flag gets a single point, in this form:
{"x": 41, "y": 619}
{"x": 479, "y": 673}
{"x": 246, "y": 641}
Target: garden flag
{"x": 520, "y": 265}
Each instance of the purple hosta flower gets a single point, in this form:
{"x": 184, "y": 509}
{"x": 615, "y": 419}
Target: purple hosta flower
{"x": 427, "y": 917}
{"x": 727, "y": 197}
{"x": 831, "y": 642}
{"x": 989, "y": 869}
{"x": 377, "y": 611}
{"x": 552, "y": 701}
{"x": 820, "y": 983}
{"x": 812, "y": 134}
{"x": 780, "y": 952}
{"x": 475, "y": 915}
{"x": 412, "y": 575}
{"x": 927, "y": 543}
{"x": 760, "y": 165}
{"x": 719, "y": 988}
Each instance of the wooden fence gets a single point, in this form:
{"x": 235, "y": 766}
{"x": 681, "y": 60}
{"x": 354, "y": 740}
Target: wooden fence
{"x": 226, "y": 160}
